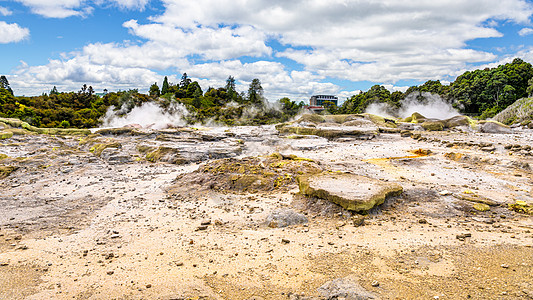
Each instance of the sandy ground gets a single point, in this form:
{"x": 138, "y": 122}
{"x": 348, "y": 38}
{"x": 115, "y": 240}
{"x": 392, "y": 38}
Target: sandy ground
{"x": 74, "y": 226}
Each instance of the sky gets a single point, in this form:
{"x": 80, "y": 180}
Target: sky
{"x": 296, "y": 48}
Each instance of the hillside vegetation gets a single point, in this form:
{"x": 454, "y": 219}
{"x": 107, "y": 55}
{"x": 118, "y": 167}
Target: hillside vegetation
{"x": 483, "y": 93}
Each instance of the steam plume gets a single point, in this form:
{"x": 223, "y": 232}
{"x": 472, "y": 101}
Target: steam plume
{"x": 428, "y": 104}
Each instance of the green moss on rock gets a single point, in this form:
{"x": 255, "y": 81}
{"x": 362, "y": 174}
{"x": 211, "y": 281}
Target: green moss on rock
{"x": 481, "y": 207}
{"x": 251, "y": 174}
{"x": 433, "y": 125}
{"x": 166, "y": 154}
{"x": 522, "y": 207}
{"x": 5, "y": 135}
{"x": 6, "y": 171}
{"x": 98, "y": 148}
{"x": 16, "y": 123}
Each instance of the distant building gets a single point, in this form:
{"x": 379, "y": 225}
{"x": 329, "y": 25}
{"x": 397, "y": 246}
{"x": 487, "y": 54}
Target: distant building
{"x": 318, "y": 100}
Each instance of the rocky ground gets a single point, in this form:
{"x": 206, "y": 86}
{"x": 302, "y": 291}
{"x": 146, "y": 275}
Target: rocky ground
{"x": 216, "y": 213}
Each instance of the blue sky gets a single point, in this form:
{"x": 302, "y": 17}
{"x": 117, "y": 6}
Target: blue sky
{"x": 296, "y": 48}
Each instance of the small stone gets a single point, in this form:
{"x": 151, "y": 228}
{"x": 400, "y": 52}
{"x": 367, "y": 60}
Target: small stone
{"x": 201, "y": 228}
{"x": 148, "y": 286}
{"x": 375, "y": 283}
{"x": 422, "y": 221}
{"x": 445, "y": 193}
{"x": 463, "y": 236}
{"x": 110, "y": 272}
{"x": 285, "y": 241}
{"x": 205, "y": 223}
{"x": 3, "y": 264}
{"x": 115, "y": 236}
{"x": 358, "y": 220}
{"x": 505, "y": 266}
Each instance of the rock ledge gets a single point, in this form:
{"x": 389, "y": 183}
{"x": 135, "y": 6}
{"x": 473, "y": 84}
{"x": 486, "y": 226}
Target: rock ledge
{"x": 352, "y": 192}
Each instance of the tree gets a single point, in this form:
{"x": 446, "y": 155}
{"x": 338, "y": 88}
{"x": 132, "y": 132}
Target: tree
{"x": 185, "y": 81}
{"x": 230, "y": 88}
{"x": 192, "y": 88}
{"x": 54, "y": 91}
{"x": 530, "y": 87}
{"x": 197, "y": 95}
{"x": 255, "y": 92}
{"x": 5, "y": 84}
{"x": 164, "y": 87}
{"x": 154, "y": 90}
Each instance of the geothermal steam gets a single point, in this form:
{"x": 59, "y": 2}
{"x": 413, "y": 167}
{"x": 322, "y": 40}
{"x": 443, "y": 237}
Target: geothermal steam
{"x": 427, "y": 104}
{"x": 148, "y": 115}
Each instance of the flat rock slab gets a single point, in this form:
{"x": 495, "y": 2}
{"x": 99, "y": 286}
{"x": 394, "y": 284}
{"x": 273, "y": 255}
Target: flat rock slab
{"x": 352, "y": 192}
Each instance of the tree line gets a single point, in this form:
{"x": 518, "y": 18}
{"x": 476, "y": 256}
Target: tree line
{"x": 85, "y": 109}
{"x": 482, "y": 92}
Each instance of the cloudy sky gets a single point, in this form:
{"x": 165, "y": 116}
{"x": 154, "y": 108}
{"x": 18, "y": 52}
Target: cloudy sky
{"x": 296, "y": 48}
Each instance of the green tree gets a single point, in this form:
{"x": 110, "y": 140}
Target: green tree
{"x": 154, "y": 90}
{"x": 255, "y": 93}
{"x": 185, "y": 81}
{"x": 358, "y": 103}
{"x": 64, "y": 124}
{"x": 54, "y": 91}
{"x": 197, "y": 97}
{"x": 192, "y": 88}
{"x": 4, "y": 83}
{"x": 230, "y": 88}
{"x": 165, "y": 86}
{"x": 530, "y": 88}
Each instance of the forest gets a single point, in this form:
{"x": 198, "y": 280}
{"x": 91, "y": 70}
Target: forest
{"x": 483, "y": 93}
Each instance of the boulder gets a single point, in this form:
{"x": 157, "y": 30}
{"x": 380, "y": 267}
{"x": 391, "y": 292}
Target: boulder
{"x": 415, "y": 118}
{"x": 433, "y": 125}
{"x": 494, "y": 127}
{"x": 361, "y": 126}
{"x": 330, "y": 132}
{"x": 457, "y": 121}
{"x": 352, "y": 192}
{"x": 285, "y": 217}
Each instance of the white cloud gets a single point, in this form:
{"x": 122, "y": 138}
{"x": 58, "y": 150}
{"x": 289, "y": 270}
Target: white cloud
{"x": 71, "y": 74}
{"x": 5, "y": 11}
{"x": 354, "y": 40}
{"x": 209, "y": 43}
{"x": 57, "y": 8}
{"x": 12, "y": 33}
{"x": 392, "y": 88}
{"x": 525, "y": 31}
{"x": 383, "y": 41}
{"x": 68, "y": 8}
{"x": 131, "y": 4}
{"x": 123, "y": 4}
